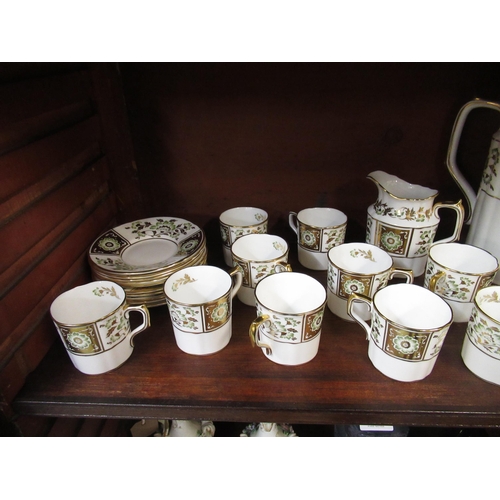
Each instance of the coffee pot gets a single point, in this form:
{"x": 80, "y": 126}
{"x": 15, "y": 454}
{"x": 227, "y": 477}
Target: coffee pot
{"x": 484, "y": 208}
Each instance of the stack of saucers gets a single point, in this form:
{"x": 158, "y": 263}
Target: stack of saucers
{"x": 140, "y": 256}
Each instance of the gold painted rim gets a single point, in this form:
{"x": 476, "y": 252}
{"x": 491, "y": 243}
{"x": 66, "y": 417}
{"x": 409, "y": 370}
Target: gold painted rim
{"x": 479, "y": 275}
{"x": 413, "y": 329}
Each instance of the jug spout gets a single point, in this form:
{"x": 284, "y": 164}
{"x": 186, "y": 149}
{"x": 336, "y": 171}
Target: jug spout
{"x": 398, "y": 189}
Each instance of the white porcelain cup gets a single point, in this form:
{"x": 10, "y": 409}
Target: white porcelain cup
{"x": 456, "y": 272}
{"x": 361, "y": 268}
{"x": 237, "y": 222}
{"x": 317, "y": 229}
{"x": 93, "y": 323}
{"x": 408, "y": 326}
{"x": 481, "y": 346}
{"x": 290, "y": 309}
{"x": 258, "y": 255}
{"x": 199, "y": 300}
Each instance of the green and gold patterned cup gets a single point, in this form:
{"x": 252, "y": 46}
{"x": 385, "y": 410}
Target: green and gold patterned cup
{"x": 290, "y": 309}
{"x": 407, "y": 329}
{"x": 481, "y": 347}
{"x": 258, "y": 255}
{"x": 318, "y": 230}
{"x": 93, "y": 323}
{"x": 456, "y": 272}
{"x": 200, "y": 299}
{"x": 237, "y": 222}
{"x": 359, "y": 268}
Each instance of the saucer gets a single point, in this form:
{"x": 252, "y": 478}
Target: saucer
{"x": 146, "y": 245}
{"x": 141, "y": 255}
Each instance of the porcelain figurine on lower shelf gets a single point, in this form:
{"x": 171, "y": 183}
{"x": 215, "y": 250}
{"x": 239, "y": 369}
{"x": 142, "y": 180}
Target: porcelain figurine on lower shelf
{"x": 185, "y": 428}
{"x": 268, "y": 429}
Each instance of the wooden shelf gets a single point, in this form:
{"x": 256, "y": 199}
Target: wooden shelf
{"x": 340, "y": 385}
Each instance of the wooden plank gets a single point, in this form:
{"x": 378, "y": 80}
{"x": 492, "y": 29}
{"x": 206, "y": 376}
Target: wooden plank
{"x": 30, "y": 98}
{"x": 26, "y": 261}
{"x": 33, "y": 426}
{"x": 66, "y": 427}
{"x": 36, "y": 191}
{"x": 23, "y": 232}
{"x": 91, "y": 427}
{"x": 28, "y": 165}
{"x": 117, "y": 140}
{"x": 114, "y": 428}
{"x": 22, "y": 310}
{"x": 30, "y": 130}
{"x": 21, "y": 71}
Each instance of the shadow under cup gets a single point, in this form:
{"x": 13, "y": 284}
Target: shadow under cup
{"x": 290, "y": 309}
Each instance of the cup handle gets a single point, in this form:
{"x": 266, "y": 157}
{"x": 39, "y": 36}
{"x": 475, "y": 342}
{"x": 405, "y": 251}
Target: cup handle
{"x": 459, "y": 209}
{"x": 254, "y": 340}
{"x": 355, "y": 297}
{"x": 236, "y": 274}
{"x": 292, "y": 220}
{"x": 281, "y": 267}
{"x": 146, "y": 320}
{"x": 435, "y": 279}
{"x": 404, "y": 273}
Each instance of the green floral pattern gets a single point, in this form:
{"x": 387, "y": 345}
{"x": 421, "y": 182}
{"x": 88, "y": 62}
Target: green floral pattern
{"x": 490, "y": 171}
{"x": 484, "y": 334}
{"x": 391, "y": 241}
{"x": 186, "y": 318}
{"x": 162, "y": 227}
{"x": 117, "y": 328}
{"x": 104, "y": 290}
{"x": 405, "y": 344}
{"x": 408, "y": 214}
{"x": 366, "y": 254}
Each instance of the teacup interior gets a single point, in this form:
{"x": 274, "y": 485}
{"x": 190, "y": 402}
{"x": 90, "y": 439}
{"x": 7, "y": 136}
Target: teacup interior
{"x": 197, "y": 285}
{"x": 463, "y": 258}
{"x": 412, "y": 306}
{"x": 243, "y": 216}
{"x": 360, "y": 258}
{"x": 87, "y": 303}
{"x": 322, "y": 217}
{"x": 290, "y": 293}
{"x": 259, "y": 247}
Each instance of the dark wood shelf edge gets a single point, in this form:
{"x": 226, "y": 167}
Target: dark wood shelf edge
{"x": 249, "y": 414}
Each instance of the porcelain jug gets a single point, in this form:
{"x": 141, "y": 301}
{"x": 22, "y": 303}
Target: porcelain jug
{"x": 484, "y": 208}
{"x": 404, "y": 220}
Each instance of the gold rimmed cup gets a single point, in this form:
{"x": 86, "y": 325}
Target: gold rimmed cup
{"x": 290, "y": 309}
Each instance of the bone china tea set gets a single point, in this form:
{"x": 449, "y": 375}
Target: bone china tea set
{"x": 163, "y": 261}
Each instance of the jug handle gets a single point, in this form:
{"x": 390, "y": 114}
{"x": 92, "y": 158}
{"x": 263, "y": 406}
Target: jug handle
{"x": 451, "y": 158}
{"x": 459, "y": 209}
